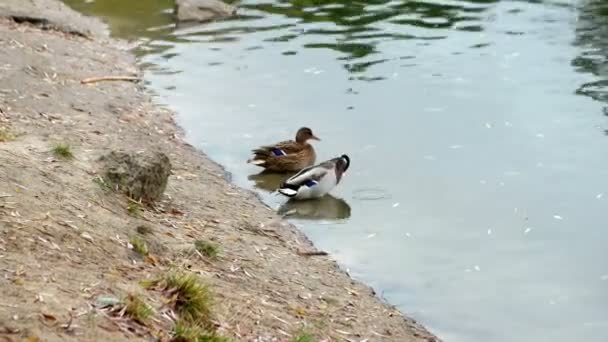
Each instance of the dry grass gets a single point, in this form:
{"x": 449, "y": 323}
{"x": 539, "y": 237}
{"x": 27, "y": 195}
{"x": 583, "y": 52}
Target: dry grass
{"x": 103, "y": 184}
{"x": 206, "y": 248}
{"x": 137, "y": 309}
{"x": 191, "y": 298}
{"x": 134, "y": 208}
{"x": 188, "y": 332}
{"x": 139, "y": 245}
{"x": 6, "y": 135}
{"x": 62, "y": 151}
{"x": 303, "y": 336}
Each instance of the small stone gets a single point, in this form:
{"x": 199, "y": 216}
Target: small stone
{"x": 105, "y": 301}
{"x": 203, "y": 10}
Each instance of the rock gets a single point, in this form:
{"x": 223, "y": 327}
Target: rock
{"x": 203, "y": 10}
{"x": 143, "y": 176}
{"x": 105, "y": 301}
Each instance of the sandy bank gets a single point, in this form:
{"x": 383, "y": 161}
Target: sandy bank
{"x": 64, "y": 238}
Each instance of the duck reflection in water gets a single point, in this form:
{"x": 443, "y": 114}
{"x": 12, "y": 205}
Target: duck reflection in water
{"x": 327, "y": 207}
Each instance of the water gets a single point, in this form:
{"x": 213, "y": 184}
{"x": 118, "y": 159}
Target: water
{"x": 476, "y": 199}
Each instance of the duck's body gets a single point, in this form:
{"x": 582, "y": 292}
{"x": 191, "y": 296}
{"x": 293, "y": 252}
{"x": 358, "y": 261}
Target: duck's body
{"x": 316, "y": 181}
{"x": 287, "y": 156}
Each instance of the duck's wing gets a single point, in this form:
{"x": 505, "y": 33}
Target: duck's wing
{"x": 279, "y": 149}
{"x": 308, "y": 176}
{"x": 288, "y": 161}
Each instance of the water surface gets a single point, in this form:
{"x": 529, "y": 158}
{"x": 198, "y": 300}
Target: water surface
{"x": 476, "y": 198}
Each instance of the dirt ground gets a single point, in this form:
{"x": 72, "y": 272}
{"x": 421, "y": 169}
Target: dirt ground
{"x": 64, "y": 238}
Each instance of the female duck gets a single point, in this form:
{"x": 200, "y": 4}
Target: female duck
{"x": 316, "y": 181}
{"x": 287, "y": 156}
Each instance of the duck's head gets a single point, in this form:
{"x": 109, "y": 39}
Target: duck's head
{"x": 343, "y": 163}
{"x": 304, "y": 134}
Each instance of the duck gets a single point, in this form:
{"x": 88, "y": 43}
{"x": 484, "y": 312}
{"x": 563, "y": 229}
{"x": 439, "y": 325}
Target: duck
{"x": 315, "y": 181}
{"x": 287, "y": 156}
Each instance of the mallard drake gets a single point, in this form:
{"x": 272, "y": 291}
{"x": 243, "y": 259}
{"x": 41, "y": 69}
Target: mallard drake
{"x": 287, "y": 156}
{"x": 316, "y": 181}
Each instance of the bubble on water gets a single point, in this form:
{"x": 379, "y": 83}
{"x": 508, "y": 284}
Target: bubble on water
{"x": 247, "y": 136}
{"x": 371, "y": 235}
{"x": 540, "y": 135}
{"x": 477, "y": 268}
{"x": 251, "y": 105}
{"x": 488, "y": 125}
{"x": 455, "y": 147}
{"x": 370, "y": 194}
{"x": 395, "y": 205}
{"x": 429, "y": 157}
{"x": 508, "y": 124}
{"x": 434, "y": 109}
{"x": 468, "y": 270}
{"x": 600, "y": 195}
{"x": 527, "y": 230}
{"x": 490, "y": 231}
{"x": 408, "y": 235}
{"x": 558, "y": 217}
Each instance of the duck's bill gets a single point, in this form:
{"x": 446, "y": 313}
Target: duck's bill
{"x": 314, "y": 137}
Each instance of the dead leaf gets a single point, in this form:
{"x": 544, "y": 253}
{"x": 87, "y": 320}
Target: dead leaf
{"x": 151, "y": 259}
{"x": 9, "y": 330}
{"x": 18, "y": 281}
{"x": 176, "y": 212}
{"x": 33, "y": 338}
{"x": 48, "y": 319}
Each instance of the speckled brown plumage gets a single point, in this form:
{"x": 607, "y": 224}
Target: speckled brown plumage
{"x": 287, "y": 156}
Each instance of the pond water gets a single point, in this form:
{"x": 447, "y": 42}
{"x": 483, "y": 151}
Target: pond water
{"x": 476, "y": 199}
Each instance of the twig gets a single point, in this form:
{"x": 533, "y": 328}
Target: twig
{"x": 313, "y": 253}
{"x": 280, "y": 319}
{"x": 109, "y": 78}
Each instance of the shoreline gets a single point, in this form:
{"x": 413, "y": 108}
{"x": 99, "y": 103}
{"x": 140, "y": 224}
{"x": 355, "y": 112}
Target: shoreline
{"x": 64, "y": 241}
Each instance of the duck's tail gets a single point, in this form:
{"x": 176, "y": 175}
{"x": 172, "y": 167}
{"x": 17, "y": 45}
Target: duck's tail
{"x": 288, "y": 192}
{"x": 258, "y": 162}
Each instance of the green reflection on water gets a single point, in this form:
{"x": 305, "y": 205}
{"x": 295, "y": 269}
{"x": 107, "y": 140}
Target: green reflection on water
{"x": 352, "y": 28}
{"x": 592, "y": 37}
{"x": 130, "y": 19}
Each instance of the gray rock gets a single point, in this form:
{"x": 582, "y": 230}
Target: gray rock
{"x": 105, "y": 301}
{"x": 142, "y": 176}
{"x": 203, "y": 10}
